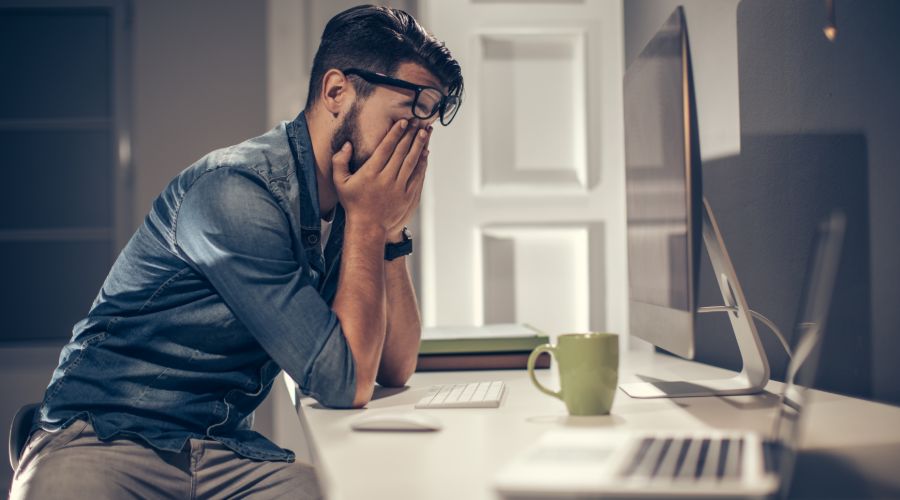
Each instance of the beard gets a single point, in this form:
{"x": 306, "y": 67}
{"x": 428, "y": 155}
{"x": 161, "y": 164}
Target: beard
{"x": 348, "y": 131}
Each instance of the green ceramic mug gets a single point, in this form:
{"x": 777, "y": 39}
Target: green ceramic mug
{"x": 588, "y": 365}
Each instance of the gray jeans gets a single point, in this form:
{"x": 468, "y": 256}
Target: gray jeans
{"x": 73, "y": 463}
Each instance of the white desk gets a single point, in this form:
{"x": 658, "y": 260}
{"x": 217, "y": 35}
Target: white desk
{"x": 851, "y": 446}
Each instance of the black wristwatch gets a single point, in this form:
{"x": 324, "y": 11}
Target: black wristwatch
{"x": 405, "y": 247}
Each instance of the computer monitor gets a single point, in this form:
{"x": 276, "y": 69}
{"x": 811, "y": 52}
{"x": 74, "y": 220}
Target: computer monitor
{"x": 668, "y": 220}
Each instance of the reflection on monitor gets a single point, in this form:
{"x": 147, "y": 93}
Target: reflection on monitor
{"x": 663, "y": 189}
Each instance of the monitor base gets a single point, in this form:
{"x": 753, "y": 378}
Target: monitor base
{"x": 740, "y": 384}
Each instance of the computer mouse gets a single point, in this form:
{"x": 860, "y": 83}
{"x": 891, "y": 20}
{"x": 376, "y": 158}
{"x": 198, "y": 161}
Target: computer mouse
{"x": 407, "y": 421}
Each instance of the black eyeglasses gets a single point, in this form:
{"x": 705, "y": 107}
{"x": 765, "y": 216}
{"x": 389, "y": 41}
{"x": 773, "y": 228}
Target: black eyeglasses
{"x": 425, "y": 104}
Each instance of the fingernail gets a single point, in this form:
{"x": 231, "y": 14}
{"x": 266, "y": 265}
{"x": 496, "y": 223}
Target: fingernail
{"x": 422, "y": 134}
{"x": 403, "y": 123}
{"x": 346, "y": 146}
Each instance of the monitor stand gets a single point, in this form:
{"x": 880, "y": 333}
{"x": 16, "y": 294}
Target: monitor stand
{"x": 755, "y": 373}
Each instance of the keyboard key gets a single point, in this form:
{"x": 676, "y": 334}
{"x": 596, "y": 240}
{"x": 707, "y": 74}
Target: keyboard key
{"x": 469, "y": 392}
{"x": 666, "y": 468}
{"x": 711, "y": 465}
{"x": 649, "y": 459}
{"x": 455, "y": 393}
{"x": 725, "y": 444}
{"x": 689, "y": 469}
{"x": 480, "y": 391}
{"x": 441, "y": 397}
{"x": 638, "y": 458}
{"x": 734, "y": 463}
{"x": 494, "y": 391}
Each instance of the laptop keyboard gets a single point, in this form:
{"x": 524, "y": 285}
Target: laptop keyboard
{"x": 687, "y": 459}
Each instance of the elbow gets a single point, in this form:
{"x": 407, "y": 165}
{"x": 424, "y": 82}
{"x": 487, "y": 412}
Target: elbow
{"x": 336, "y": 379}
{"x": 396, "y": 371}
{"x": 396, "y": 378}
{"x": 364, "y": 376}
{"x": 392, "y": 382}
{"x": 365, "y": 388}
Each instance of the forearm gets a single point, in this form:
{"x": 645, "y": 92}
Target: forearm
{"x": 401, "y": 344}
{"x": 360, "y": 302}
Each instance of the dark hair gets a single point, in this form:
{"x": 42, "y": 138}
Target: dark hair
{"x": 378, "y": 39}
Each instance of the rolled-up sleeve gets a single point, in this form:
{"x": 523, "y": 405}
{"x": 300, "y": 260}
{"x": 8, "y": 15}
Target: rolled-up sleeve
{"x": 232, "y": 231}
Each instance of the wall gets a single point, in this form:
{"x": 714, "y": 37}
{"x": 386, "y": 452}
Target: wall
{"x": 199, "y": 83}
{"x": 712, "y": 32}
{"x": 793, "y": 81}
{"x": 822, "y": 120}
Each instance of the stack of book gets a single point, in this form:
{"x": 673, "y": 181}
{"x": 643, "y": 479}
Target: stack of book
{"x": 490, "y": 347}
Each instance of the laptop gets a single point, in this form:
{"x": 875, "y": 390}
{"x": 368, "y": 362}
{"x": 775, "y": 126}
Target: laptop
{"x": 584, "y": 462}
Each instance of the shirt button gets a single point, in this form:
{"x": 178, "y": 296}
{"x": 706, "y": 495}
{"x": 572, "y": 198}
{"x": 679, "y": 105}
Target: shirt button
{"x": 312, "y": 239}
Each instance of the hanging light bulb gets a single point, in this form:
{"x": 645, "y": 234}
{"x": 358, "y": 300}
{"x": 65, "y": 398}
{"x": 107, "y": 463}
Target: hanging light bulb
{"x": 830, "y": 28}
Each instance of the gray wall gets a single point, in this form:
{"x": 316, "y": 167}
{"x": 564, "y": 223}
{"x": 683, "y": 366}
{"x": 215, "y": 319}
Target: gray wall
{"x": 819, "y": 123}
{"x": 199, "y": 84}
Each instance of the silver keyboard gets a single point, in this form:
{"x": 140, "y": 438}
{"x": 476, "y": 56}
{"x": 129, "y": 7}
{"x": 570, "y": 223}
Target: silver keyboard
{"x": 471, "y": 395}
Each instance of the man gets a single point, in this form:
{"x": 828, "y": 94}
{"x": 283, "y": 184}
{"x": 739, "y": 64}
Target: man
{"x": 285, "y": 252}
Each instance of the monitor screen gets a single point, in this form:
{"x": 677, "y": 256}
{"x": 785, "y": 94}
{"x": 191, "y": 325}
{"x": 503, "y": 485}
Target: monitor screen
{"x": 662, "y": 189}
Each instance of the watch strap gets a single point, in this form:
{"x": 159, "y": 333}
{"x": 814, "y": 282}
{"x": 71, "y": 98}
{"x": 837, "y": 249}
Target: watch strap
{"x": 395, "y": 250}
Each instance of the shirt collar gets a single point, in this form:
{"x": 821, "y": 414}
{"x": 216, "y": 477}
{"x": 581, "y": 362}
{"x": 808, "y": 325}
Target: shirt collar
{"x": 301, "y": 148}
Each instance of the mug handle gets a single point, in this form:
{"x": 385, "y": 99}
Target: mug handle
{"x": 532, "y": 359}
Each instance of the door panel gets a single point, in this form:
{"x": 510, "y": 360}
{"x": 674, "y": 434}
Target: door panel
{"x": 523, "y": 214}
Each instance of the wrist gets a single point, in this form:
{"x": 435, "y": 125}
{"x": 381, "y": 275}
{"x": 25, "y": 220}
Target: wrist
{"x": 369, "y": 229}
{"x": 395, "y": 235}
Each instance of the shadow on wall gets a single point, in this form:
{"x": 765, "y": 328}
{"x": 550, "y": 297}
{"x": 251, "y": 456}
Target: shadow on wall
{"x": 768, "y": 201}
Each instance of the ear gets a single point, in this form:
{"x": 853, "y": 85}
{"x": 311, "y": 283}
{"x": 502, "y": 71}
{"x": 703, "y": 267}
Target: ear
{"x": 337, "y": 92}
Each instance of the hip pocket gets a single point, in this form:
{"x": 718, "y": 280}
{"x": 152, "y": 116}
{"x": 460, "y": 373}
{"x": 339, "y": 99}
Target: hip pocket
{"x": 63, "y": 437}
{"x": 43, "y": 441}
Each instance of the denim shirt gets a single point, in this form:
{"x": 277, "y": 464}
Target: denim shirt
{"x": 223, "y": 286}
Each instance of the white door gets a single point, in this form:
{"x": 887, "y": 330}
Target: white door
{"x": 523, "y": 217}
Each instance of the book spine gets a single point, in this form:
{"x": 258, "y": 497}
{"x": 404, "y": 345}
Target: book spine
{"x": 459, "y": 346}
{"x": 481, "y": 361}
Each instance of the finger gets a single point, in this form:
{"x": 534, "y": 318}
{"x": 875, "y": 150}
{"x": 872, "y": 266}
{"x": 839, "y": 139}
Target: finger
{"x": 340, "y": 162}
{"x": 418, "y": 187}
{"x": 417, "y": 179}
{"x": 387, "y": 146}
{"x": 412, "y": 157}
{"x": 400, "y": 152}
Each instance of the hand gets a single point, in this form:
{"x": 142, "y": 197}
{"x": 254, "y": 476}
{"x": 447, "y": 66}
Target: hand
{"x": 387, "y": 187}
{"x": 395, "y": 234}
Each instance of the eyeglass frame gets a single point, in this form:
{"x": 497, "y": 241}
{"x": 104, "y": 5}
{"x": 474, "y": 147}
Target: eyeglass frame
{"x": 381, "y": 79}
